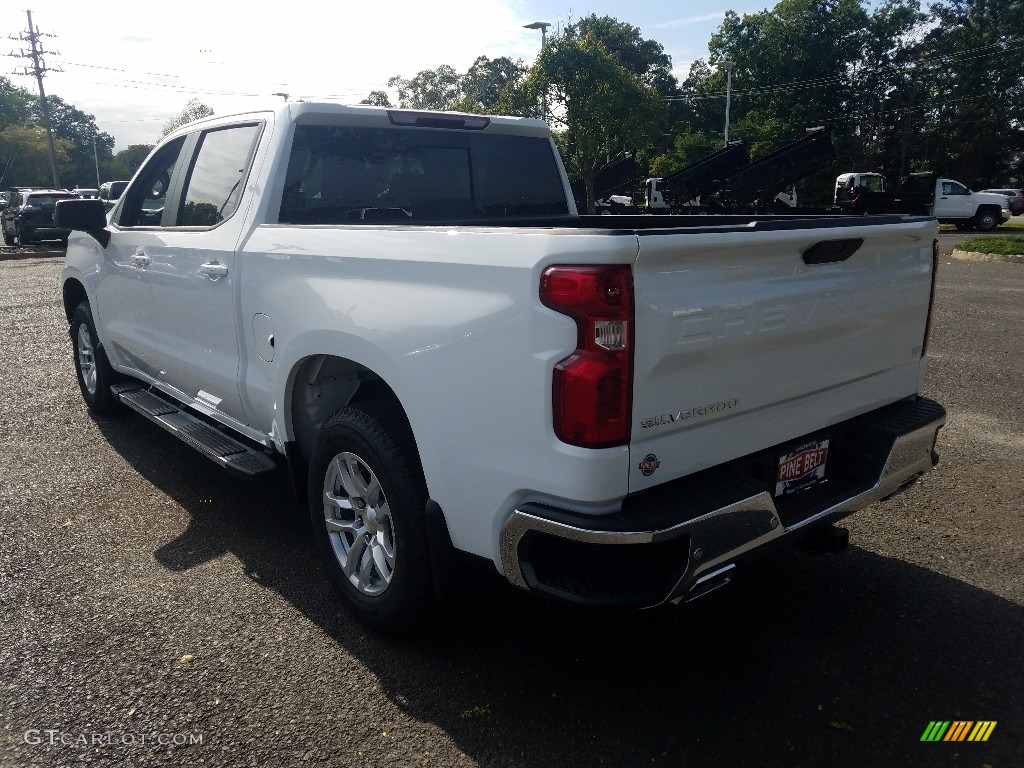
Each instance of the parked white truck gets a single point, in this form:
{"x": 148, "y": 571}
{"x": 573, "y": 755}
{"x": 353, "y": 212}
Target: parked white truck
{"x": 405, "y": 310}
{"x": 949, "y": 201}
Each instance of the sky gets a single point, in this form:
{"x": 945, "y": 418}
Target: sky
{"x": 134, "y": 69}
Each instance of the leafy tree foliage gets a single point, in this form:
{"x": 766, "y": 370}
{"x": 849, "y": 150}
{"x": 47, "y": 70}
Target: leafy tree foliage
{"x": 644, "y": 58}
{"x": 73, "y": 130}
{"x": 78, "y": 129}
{"x": 25, "y": 156}
{"x": 603, "y": 109}
{"x": 378, "y": 99}
{"x": 16, "y": 104}
{"x": 487, "y": 79}
{"x": 439, "y": 88}
{"x": 478, "y": 90}
{"x": 194, "y": 110}
{"x": 904, "y": 90}
{"x": 127, "y": 161}
{"x": 968, "y": 118}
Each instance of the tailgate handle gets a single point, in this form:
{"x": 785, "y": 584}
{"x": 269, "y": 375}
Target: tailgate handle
{"x": 831, "y": 251}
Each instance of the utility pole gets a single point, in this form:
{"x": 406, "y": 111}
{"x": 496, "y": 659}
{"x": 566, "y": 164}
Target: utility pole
{"x": 38, "y": 70}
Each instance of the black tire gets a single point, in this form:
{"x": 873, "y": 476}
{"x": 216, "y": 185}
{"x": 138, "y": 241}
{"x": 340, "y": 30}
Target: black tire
{"x": 92, "y": 368}
{"x": 986, "y": 221}
{"x": 366, "y": 459}
{"x": 8, "y": 238}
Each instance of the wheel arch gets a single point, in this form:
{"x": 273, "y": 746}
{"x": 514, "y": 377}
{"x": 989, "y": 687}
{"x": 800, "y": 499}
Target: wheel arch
{"x": 319, "y": 385}
{"x": 73, "y": 293}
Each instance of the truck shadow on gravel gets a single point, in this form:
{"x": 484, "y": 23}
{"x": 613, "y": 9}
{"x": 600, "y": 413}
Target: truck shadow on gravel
{"x": 805, "y": 661}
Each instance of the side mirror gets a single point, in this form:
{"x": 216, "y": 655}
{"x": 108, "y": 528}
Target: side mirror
{"x": 84, "y": 215}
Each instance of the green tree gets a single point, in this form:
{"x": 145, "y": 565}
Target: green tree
{"x": 644, "y": 58}
{"x": 885, "y": 87}
{"x": 25, "y": 157}
{"x": 602, "y": 109}
{"x": 478, "y": 90}
{"x": 17, "y": 104}
{"x": 968, "y": 119}
{"x": 131, "y": 157}
{"x": 377, "y": 99}
{"x": 439, "y": 88}
{"x": 78, "y": 129}
{"x": 793, "y": 71}
{"x": 487, "y": 79}
{"x": 194, "y": 110}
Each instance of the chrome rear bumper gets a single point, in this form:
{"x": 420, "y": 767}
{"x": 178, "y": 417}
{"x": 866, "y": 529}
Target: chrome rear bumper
{"x": 708, "y": 544}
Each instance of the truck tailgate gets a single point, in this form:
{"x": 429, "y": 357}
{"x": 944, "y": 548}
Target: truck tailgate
{"x": 741, "y": 344}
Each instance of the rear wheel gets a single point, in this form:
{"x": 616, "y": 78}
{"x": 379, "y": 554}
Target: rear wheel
{"x": 8, "y": 238}
{"x": 94, "y": 372}
{"x": 986, "y": 221}
{"x": 367, "y": 497}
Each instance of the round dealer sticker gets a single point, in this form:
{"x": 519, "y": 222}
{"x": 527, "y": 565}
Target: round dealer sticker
{"x": 649, "y": 465}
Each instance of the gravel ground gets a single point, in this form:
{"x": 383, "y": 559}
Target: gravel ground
{"x": 147, "y": 597}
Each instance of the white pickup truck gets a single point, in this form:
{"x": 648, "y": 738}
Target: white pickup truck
{"x": 405, "y": 310}
{"x": 947, "y": 200}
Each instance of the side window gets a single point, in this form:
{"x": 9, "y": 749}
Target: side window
{"x": 144, "y": 203}
{"x": 214, "y": 186}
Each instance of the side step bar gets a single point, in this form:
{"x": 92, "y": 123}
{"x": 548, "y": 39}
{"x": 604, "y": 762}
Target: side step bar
{"x": 229, "y": 453}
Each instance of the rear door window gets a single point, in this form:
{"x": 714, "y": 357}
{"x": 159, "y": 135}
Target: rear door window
{"x": 214, "y": 185}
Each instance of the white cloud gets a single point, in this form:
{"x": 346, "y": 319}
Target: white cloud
{"x": 688, "y": 21}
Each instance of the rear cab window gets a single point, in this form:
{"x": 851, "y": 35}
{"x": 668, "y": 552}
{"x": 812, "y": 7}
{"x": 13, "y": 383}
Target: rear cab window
{"x": 361, "y": 175}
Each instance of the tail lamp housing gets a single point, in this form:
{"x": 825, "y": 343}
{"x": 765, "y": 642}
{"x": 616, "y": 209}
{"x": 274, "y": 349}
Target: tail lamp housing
{"x": 592, "y": 387}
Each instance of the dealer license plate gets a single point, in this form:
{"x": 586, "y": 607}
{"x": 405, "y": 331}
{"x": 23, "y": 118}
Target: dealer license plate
{"x": 801, "y": 468}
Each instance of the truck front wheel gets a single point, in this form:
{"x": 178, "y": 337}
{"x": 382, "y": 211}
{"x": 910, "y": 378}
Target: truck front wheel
{"x": 986, "y": 221}
{"x": 91, "y": 365}
{"x": 367, "y": 496}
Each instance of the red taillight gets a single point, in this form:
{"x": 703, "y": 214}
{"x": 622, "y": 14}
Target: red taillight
{"x": 931, "y": 298}
{"x": 592, "y": 387}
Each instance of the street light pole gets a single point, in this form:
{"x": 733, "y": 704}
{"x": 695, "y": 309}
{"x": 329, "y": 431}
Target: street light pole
{"x": 728, "y": 66}
{"x": 96, "y": 159}
{"x": 543, "y": 27}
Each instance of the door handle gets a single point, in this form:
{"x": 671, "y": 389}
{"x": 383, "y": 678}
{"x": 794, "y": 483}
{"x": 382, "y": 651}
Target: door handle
{"x": 139, "y": 259}
{"x": 214, "y": 270}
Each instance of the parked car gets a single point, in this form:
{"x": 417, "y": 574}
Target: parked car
{"x": 29, "y": 217}
{"x": 86, "y": 192}
{"x": 1014, "y": 196}
{"x": 112, "y": 190}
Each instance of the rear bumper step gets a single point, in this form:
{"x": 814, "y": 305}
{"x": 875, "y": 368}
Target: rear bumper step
{"x": 681, "y": 541}
{"x": 229, "y": 453}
